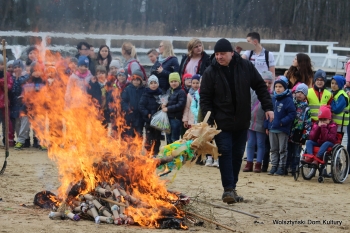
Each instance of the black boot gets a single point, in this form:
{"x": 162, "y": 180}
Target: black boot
{"x": 35, "y": 142}
{"x": 26, "y": 143}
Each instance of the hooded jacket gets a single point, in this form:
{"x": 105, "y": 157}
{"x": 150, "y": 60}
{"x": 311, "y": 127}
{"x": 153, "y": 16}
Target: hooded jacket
{"x": 130, "y": 105}
{"x": 324, "y": 133}
{"x": 203, "y": 63}
{"x": 215, "y": 94}
{"x": 285, "y": 113}
{"x": 176, "y": 103}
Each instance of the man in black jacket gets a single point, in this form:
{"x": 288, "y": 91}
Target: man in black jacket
{"x": 225, "y": 91}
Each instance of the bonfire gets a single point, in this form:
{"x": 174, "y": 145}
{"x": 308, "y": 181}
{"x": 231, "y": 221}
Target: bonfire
{"x": 106, "y": 178}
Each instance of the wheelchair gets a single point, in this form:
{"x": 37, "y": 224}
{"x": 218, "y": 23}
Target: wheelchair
{"x": 336, "y": 158}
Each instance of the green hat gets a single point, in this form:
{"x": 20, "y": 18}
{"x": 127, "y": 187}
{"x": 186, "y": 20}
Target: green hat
{"x": 174, "y": 77}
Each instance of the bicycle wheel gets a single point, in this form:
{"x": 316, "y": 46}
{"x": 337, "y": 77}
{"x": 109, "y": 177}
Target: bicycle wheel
{"x": 308, "y": 171}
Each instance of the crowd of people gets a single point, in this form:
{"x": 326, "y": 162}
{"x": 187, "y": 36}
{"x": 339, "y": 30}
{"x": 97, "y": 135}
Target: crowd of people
{"x": 269, "y": 117}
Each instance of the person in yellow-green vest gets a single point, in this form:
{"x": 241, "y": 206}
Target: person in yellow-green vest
{"x": 318, "y": 95}
{"x": 340, "y": 102}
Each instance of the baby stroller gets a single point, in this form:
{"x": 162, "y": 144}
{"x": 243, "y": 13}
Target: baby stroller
{"x": 336, "y": 158}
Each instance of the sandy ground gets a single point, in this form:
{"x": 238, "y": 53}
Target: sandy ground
{"x": 272, "y": 198}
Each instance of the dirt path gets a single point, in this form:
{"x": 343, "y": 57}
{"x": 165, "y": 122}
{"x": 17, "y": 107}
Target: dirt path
{"x": 272, "y": 198}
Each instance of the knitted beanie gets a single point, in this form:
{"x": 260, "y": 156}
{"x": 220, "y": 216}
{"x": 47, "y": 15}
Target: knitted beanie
{"x": 186, "y": 76}
{"x": 320, "y": 74}
{"x": 267, "y": 75}
{"x": 283, "y": 81}
{"x": 174, "y": 77}
{"x": 83, "y": 61}
{"x": 138, "y": 74}
{"x": 302, "y": 88}
{"x": 152, "y": 78}
{"x": 115, "y": 63}
{"x": 325, "y": 112}
{"x": 223, "y": 45}
{"x": 340, "y": 81}
{"x": 196, "y": 76}
{"x": 18, "y": 63}
{"x": 121, "y": 71}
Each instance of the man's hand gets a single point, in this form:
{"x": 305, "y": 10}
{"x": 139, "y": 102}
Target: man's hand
{"x": 269, "y": 115}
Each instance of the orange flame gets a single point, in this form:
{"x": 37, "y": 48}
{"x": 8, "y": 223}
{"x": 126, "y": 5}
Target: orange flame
{"x": 79, "y": 144}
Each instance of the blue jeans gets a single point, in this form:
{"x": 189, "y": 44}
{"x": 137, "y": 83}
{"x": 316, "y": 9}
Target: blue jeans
{"x": 231, "y": 145}
{"x": 175, "y": 127}
{"x": 323, "y": 148}
{"x": 255, "y": 139}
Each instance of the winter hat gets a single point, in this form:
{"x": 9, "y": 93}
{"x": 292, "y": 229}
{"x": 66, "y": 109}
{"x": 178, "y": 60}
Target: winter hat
{"x": 302, "y": 88}
{"x": 31, "y": 48}
{"x": 174, "y": 77}
{"x": 121, "y": 72}
{"x": 138, "y": 73}
{"x": 101, "y": 69}
{"x": 267, "y": 75}
{"x": 283, "y": 81}
{"x": 325, "y": 112}
{"x": 186, "y": 76}
{"x": 9, "y": 63}
{"x": 320, "y": 74}
{"x": 340, "y": 81}
{"x": 115, "y": 63}
{"x": 74, "y": 60}
{"x": 196, "y": 76}
{"x": 18, "y": 63}
{"x": 152, "y": 78}
{"x": 223, "y": 45}
{"x": 83, "y": 61}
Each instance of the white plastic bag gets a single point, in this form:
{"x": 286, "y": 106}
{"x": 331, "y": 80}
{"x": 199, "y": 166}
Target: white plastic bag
{"x": 160, "y": 120}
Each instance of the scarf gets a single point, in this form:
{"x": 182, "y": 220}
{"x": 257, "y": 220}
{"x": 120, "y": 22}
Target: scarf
{"x": 80, "y": 75}
{"x": 153, "y": 92}
{"x": 162, "y": 59}
{"x": 285, "y": 93}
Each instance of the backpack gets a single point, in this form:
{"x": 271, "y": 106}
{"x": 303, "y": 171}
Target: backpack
{"x": 266, "y": 57}
{"x": 141, "y": 68}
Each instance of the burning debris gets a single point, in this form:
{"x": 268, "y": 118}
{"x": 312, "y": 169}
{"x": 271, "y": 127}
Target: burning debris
{"x": 111, "y": 204}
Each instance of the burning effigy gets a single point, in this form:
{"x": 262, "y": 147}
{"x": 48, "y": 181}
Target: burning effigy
{"x": 104, "y": 178}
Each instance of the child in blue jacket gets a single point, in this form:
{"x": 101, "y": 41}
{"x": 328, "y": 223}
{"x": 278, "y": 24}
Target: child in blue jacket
{"x": 279, "y": 128}
{"x": 130, "y": 105}
{"x": 148, "y": 106}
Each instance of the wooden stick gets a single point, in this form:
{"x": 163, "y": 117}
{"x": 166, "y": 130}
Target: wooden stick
{"x": 206, "y": 118}
{"x": 113, "y": 202}
{"x": 227, "y": 208}
{"x": 211, "y": 221}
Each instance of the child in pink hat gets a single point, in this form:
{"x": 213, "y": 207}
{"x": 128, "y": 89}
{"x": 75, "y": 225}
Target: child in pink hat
{"x": 323, "y": 133}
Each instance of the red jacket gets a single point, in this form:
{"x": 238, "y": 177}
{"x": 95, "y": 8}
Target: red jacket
{"x": 324, "y": 133}
{"x": 2, "y": 93}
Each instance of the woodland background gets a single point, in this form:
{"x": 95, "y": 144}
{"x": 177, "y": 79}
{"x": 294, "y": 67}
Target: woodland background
{"x": 322, "y": 20}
